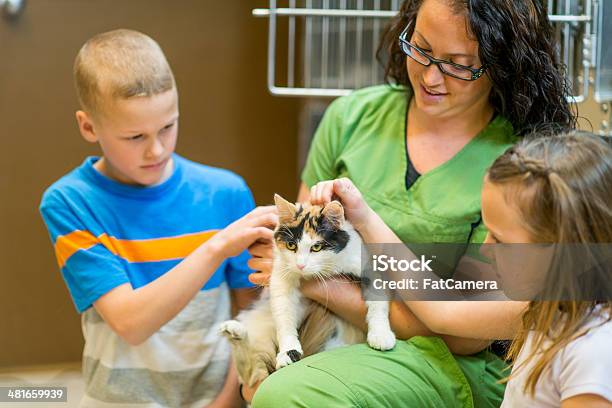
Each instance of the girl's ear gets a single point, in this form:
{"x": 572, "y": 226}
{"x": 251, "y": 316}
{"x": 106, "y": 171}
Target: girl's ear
{"x": 86, "y": 127}
{"x": 334, "y": 212}
{"x": 286, "y": 210}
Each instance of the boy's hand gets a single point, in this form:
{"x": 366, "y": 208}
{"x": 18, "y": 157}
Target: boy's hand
{"x": 254, "y": 227}
{"x": 356, "y": 209}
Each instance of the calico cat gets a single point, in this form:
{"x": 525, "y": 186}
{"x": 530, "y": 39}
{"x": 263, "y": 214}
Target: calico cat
{"x": 311, "y": 242}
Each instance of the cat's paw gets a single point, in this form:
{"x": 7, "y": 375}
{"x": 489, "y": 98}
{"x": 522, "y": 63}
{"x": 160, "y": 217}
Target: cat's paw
{"x": 233, "y": 330}
{"x": 381, "y": 340}
{"x": 283, "y": 359}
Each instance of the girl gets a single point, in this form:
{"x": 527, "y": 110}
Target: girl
{"x": 557, "y": 190}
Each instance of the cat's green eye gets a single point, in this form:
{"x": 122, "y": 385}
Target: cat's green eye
{"x": 291, "y": 246}
{"x": 316, "y": 247}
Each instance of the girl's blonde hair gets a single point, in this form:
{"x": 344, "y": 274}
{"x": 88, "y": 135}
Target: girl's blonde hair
{"x": 562, "y": 187}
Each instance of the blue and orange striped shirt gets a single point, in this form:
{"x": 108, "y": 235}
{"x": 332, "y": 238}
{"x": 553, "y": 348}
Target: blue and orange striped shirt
{"x": 107, "y": 233}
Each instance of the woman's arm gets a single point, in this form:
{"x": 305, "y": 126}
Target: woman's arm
{"x": 346, "y": 301}
{"x": 303, "y": 194}
{"x": 242, "y": 298}
{"x": 481, "y": 320}
{"x": 344, "y": 298}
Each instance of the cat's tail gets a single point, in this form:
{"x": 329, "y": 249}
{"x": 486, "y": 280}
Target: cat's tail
{"x": 318, "y": 327}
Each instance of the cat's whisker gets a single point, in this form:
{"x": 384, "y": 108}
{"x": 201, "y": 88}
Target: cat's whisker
{"x": 323, "y": 280}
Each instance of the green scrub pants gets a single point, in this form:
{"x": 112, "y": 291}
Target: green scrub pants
{"x": 420, "y": 372}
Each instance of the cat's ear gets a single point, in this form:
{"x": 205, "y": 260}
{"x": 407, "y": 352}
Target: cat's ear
{"x": 334, "y": 212}
{"x": 286, "y": 210}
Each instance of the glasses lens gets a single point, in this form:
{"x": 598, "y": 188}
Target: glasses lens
{"x": 414, "y": 54}
{"x": 456, "y": 71}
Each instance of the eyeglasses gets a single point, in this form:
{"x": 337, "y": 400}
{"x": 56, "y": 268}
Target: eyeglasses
{"x": 446, "y": 67}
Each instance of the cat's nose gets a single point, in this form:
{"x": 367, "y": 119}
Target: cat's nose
{"x": 300, "y": 266}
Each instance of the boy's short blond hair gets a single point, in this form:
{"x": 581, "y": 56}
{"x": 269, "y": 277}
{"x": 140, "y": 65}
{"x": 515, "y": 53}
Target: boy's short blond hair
{"x": 120, "y": 64}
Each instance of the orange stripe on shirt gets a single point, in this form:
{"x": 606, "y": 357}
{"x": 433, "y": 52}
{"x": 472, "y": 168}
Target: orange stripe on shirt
{"x": 144, "y": 250}
{"x": 67, "y": 245}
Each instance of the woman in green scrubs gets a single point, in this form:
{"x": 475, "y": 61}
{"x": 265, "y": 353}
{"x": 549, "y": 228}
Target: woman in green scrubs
{"x": 469, "y": 77}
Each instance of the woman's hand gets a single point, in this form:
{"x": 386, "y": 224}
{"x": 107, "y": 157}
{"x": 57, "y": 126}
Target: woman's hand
{"x": 249, "y": 393}
{"x": 261, "y": 261}
{"x": 262, "y": 253}
{"x": 320, "y": 290}
{"x": 356, "y": 209}
{"x": 229, "y": 397}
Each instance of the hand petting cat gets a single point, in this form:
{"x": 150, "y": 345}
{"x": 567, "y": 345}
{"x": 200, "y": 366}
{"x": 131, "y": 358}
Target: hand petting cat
{"x": 256, "y": 227}
{"x": 356, "y": 210}
{"x": 369, "y": 224}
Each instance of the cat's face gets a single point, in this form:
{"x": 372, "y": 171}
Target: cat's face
{"x": 310, "y": 238}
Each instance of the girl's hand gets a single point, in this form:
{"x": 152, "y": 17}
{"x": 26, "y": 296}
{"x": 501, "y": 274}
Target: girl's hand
{"x": 356, "y": 209}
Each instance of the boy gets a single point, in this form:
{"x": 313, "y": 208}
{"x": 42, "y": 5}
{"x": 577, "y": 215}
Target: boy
{"x": 142, "y": 238}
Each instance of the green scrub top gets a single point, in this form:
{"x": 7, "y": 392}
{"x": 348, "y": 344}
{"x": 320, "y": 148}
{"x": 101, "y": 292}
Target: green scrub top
{"x": 363, "y": 137}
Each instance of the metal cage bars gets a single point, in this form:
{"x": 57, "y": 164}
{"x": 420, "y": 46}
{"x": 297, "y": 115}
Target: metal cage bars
{"x": 317, "y": 23}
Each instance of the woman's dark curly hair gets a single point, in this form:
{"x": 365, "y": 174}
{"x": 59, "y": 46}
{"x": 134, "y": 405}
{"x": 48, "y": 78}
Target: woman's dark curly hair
{"x": 516, "y": 43}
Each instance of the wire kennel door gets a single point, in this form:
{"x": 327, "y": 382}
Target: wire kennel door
{"x": 336, "y": 51}
{"x": 331, "y": 44}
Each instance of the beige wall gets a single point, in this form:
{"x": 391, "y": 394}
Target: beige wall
{"x": 591, "y": 116}
{"x": 228, "y": 119}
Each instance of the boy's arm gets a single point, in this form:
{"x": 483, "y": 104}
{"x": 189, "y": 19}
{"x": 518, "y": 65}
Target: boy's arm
{"x": 135, "y": 314}
{"x": 229, "y": 396}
